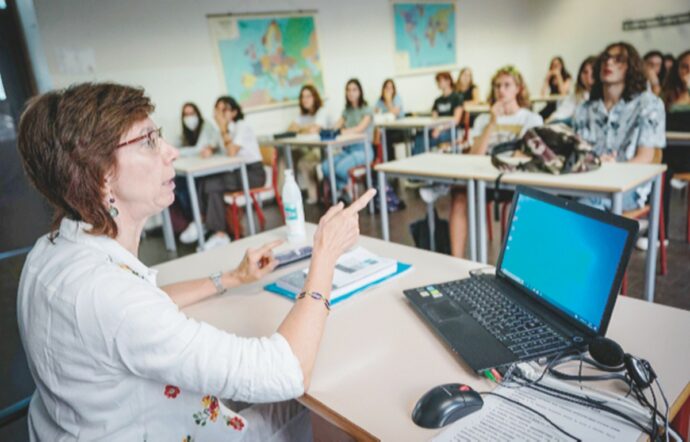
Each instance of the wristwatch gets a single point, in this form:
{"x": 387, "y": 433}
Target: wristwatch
{"x": 215, "y": 278}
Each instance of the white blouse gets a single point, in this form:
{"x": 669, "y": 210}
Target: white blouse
{"x": 114, "y": 358}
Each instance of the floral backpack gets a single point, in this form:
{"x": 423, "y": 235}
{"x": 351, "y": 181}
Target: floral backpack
{"x": 553, "y": 149}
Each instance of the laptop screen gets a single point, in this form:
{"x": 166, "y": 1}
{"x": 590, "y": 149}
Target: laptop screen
{"x": 567, "y": 259}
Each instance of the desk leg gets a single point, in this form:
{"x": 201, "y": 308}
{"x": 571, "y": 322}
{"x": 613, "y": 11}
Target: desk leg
{"x": 384, "y": 144}
{"x": 288, "y": 157}
{"x": 196, "y": 213}
{"x": 481, "y": 219}
{"x": 652, "y": 235}
{"x": 472, "y": 219}
{"x": 454, "y": 147}
{"x": 367, "y": 168}
{"x": 432, "y": 226}
{"x": 331, "y": 174}
{"x": 247, "y": 199}
{"x": 384, "y": 206}
{"x": 168, "y": 234}
{"x": 426, "y": 139}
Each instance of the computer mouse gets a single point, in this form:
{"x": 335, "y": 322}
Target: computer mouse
{"x": 445, "y": 404}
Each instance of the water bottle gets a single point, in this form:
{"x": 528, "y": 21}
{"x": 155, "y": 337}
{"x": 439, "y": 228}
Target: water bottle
{"x": 294, "y": 210}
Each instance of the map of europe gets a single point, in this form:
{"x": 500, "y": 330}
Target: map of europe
{"x": 424, "y": 35}
{"x": 267, "y": 60}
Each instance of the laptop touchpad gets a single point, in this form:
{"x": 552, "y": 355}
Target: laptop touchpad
{"x": 443, "y": 310}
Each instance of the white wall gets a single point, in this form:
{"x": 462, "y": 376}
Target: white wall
{"x": 164, "y": 45}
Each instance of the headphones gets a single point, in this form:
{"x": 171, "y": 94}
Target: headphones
{"x": 608, "y": 356}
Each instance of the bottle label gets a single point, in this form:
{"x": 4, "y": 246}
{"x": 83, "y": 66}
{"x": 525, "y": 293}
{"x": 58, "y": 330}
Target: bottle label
{"x": 291, "y": 212}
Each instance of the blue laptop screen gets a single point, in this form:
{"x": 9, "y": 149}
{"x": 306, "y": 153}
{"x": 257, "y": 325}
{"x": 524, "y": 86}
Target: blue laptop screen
{"x": 567, "y": 259}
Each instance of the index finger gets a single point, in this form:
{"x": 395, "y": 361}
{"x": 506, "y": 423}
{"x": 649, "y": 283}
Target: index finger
{"x": 362, "y": 201}
{"x": 270, "y": 246}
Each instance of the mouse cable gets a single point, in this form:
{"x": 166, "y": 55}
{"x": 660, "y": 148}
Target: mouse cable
{"x": 491, "y": 393}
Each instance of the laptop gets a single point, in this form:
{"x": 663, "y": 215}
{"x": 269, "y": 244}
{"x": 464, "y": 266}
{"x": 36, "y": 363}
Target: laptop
{"x": 554, "y": 288}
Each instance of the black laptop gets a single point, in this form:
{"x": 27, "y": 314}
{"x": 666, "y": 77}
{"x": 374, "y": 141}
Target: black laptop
{"x": 554, "y": 288}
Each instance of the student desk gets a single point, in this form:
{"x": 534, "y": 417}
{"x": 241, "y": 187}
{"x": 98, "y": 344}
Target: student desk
{"x": 315, "y": 142}
{"x": 409, "y": 123}
{"x": 678, "y": 138}
{"x": 377, "y": 357}
{"x": 197, "y": 167}
{"x": 477, "y": 108}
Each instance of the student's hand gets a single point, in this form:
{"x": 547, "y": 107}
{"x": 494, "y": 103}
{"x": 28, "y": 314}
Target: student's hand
{"x": 257, "y": 263}
{"x": 608, "y": 158}
{"x": 221, "y": 121}
{"x": 338, "y": 229}
{"x": 206, "y": 152}
{"x": 496, "y": 111}
{"x": 652, "y": 76}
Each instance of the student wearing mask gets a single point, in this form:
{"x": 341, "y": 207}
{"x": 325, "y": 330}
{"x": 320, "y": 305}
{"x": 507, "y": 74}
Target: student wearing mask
{"x": 510, "y": 117}
{"x": 389, "y": 103}
{"x": 585, "y": 80}
{"x": 556, "y": 82}
{"x": 449, "y": 104}
{"x": 465, "y": 87}
{"x": 357, "y": 118}
{"x": 622, "y": 120}
{"x": 311, "y": 119}
{"x": 655, "y": 70}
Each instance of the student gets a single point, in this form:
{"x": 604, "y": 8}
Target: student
{"x": 389, "y": 103}
{"x": 311, "y": 119}
{"x": 465, "y": 87}
{"x": 357, "y": 118}
{"x": 238, "y": 141}
{"x": 510, "y": 117}
{"x": 556, "y": 82}
{"x": 448, "y": 104}
{"x": 655, "y": 70}
{"x": 676, "y": 96}
{"x": 669, "y": 61}
{"x": 622, "y": 119}
{"x": 585, "y": 79}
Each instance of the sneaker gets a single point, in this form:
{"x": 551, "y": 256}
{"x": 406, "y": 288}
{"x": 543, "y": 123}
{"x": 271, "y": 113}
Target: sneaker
{"x": 678, "y": 184}
{"x": 643, "y": 243}
{"x": 431, "y": 194}
{"x": 214, "y": 241}
{"x": 644, "y": 225}
{"x": 190, "y": 234}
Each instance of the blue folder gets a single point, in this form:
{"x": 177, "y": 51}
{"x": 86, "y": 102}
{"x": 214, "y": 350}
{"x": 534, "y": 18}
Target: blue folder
{"x": 402, "y": 267}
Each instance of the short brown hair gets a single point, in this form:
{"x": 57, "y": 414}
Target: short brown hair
{"x": 445, "y": 75}
{"x": 635, "y": 79}
{"x": 67, "y": 141}
{"x": 523, "y": 93}
{"x": 317, "y": 100}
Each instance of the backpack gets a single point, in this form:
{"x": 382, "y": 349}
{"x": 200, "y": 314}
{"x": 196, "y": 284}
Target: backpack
{"x": 420, "y": 233}
{"x": 553, "y": 149}
{"x": 393, "y": 202}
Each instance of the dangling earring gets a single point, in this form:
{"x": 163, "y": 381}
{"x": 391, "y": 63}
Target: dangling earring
{"x": 112, "y": 210}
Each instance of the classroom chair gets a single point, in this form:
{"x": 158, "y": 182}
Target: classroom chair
{"x": 235, "y": 200}
{"x": 686, "y": 177}
{"x": 358, "y": 173}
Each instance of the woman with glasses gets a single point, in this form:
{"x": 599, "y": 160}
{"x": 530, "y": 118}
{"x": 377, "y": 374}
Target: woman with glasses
{"x": 112, "y": 355}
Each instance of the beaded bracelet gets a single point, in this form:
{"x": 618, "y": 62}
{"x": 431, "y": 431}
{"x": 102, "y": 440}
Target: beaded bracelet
{"x": 317, "y": 296}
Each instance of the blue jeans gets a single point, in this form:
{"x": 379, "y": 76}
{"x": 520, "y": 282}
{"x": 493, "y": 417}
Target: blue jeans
{"x": 433, "y": 142}
{"x": 351, "y": 156}
{"x": 630, "y": 201}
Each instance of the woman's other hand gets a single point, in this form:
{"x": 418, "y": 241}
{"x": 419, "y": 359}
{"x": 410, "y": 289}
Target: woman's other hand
{"x": 257, "y": 263}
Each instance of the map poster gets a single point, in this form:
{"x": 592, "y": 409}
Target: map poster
{"x": 265, "y": 60}
{"x": 424, "y": 36}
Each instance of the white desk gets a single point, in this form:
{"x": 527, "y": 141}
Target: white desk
{"x": 314, "y": 141}
{"x": 423, "y": 123}
{"x": 196, "y": 167}
{"x": 476, "y": 108}
{"x": 377, "y": 357}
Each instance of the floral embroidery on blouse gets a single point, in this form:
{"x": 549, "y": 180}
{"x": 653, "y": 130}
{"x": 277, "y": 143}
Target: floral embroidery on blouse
{"x": 171, "y": 391}
{"x": 211, "y": 412}
{"x": 235, "y": 422}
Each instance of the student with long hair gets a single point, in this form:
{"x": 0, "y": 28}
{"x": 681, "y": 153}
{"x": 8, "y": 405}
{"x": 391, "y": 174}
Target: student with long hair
{"x": 556, "y": 82}
{"x": 655, "y": 70}
{"x": 585, "y": 79}
{"x": 390, "y": 103}
{"x": 465, "y": 87}
{"x": 448, "y": 104}
{"x": 510, "y": 117}
{"x": 356, "y": 118}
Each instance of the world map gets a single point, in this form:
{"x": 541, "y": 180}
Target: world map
{"x": 424, "y": 35}
{"x": 267, "y": 60}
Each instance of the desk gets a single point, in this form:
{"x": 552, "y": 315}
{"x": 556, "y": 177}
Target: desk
{"x": 314, "y": 141}
{"x": 547, "y": 98}
{"x": 477, "y": 108}
{"x": 196, "y": 167}
{"x": 678, "y": 138}
{"x": 409, "y": 123}
{"x": 377, "y": 357}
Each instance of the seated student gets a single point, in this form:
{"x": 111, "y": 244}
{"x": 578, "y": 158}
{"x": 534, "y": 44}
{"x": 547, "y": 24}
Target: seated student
{"x": 669, "y": 61}
{"x": 655, "y": 70}
{"x": 465, "y": 87}
{"x": 556, "y": 82}
{"x": 622, "y": 119}
{"x": 448, "y": 104}
{"x": 585, "y": 79}
{"x": 356, "y": 118}
{"x": 238, "y": 141}
{"x": 311, "y": 119}
{"x": 390, "y": 103}
{"x": 676, "y": 96}
{"x": 509, "y": 119}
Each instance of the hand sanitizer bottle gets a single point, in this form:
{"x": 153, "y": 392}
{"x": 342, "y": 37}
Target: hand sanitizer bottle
{"x": 294, "y": 210}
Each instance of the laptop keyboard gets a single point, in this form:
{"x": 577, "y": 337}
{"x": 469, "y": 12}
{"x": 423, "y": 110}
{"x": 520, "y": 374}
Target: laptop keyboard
{"x": 523, "y": 333}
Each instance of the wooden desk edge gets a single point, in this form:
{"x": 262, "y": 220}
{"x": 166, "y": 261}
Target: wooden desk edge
{"x": 333, "y": 418}
{"x": 683, "y": 397}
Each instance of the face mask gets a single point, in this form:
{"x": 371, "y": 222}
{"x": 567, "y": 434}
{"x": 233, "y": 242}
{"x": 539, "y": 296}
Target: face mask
{"x": 191, "y": 121}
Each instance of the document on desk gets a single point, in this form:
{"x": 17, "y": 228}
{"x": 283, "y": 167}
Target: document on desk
{"x": 501, "y": 420}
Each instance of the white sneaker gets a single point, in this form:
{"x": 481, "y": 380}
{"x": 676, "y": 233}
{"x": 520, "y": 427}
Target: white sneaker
{"x": 643, "y": 243}
{"x": 678, "y": 184}
{"x": 190, "y": 234}
{"x": 216, "y": 241}
{"x": 644, "y": 225}
{"x": 431, "y": 194}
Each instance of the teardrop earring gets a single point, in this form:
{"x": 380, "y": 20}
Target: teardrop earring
{"x": 112, "y": 210}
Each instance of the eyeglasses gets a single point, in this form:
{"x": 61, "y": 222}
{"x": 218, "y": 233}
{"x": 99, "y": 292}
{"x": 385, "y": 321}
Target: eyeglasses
{"x": 152, "y": 139}
{"x": 618, "y": 58}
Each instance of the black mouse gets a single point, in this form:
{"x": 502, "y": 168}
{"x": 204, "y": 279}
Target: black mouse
{"x": 445, "y": 404}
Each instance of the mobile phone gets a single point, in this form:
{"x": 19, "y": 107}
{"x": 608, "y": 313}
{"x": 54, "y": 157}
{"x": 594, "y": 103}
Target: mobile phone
{"x": 292, "y": 256}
